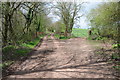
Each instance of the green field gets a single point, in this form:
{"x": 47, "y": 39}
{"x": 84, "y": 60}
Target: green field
{"x": 80, "y": 32}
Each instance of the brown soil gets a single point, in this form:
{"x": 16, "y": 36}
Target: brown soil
{"x": 72, "y": 58}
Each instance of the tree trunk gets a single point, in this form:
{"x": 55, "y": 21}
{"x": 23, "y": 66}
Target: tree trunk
{"x": 65, "y": 34}
{"x": 6, "y": 30}
{"x": 118, "y": 29}
{"x": 5, "y": 35}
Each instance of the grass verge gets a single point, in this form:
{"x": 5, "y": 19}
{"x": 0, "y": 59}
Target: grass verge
{"x": 11, "y": 53}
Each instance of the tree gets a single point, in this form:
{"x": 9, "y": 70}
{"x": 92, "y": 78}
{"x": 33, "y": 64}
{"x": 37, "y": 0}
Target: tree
{"x": 106, "y": 20}
{"x": 30, "y": 10}
{"x": 7, "y": 13}
{"x": 68, "y": 12}
{"x": 58, "y": 27}
{"x": 22, "y": 20}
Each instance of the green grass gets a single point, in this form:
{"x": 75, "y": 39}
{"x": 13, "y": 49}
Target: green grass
{"x": 117, "y": 67}
{"x": 49, "y": 36}
{"x": 62, "y": 37}
{"x": 7, "y": 63}
{"x": 80, "y": 32}
{"x": 116, "y": 46}
{"x": 115, "y": 56}
{"x": 76, "y": 32}
{"x": 13, "y": 53}
{"x": 57, "y": 36}
{"x": 31, "y": 44}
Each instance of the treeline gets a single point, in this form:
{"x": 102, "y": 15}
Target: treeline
{"x": 21, "y": 21}
{"x": 105, "y": 21}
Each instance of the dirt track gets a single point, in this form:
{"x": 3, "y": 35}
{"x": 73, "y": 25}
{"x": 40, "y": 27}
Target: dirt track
{"x": 72, "y": 58}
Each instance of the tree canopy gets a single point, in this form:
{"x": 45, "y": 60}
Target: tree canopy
{"x": 106, "y": 19}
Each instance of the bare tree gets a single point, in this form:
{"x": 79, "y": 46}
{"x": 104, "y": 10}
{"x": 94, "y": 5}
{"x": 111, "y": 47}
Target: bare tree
{"x": 31, "y": 11}
{"x": 68, "y": 12}
{"x": 8, "y": 9}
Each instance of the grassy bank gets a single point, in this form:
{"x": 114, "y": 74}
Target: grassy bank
{"x": 11, "y": 53}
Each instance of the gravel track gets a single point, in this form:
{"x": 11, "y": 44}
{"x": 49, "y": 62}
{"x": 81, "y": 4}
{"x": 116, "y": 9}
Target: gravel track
{"x": 72, "y": 58}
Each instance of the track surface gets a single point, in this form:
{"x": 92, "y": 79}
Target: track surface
{"x": 72, "y": 58}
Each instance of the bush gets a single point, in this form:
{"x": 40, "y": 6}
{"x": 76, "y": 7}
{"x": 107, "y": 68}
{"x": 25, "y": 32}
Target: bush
{"x": 115, "y": 56}
{"x": 116, "y": 46}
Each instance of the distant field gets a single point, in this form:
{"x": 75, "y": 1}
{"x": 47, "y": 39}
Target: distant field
{"x": 80, "y": 32}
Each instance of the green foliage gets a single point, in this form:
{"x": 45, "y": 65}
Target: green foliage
{"x": 104, "y": 20}
{"x": 57, "y": 36}
{"x": 5, "y": 64}
{"x": 115, "y": 56}
{"x": 117, "y": 67}
{"x": 116, "y": 59}
{"x": 63, "y": 37}
{"x": 19, "y": 27}
{"x": 57, "y": 27}
{"x": 31, "y": 44}
{"x": 116, "y": 46}
{"x": 13, "y": 53}
{"x": 80, "y": 32}
{"x": 8, "y": 52}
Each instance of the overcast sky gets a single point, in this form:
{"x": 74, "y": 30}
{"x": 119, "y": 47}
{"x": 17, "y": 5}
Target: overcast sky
{"x": 82, "y": 22}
